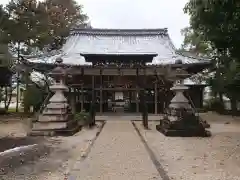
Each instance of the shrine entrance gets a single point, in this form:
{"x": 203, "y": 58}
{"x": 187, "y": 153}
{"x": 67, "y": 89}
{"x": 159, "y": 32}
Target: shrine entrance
{"x": 124, "y": 78}
{"x": 117, "y": 101}
{"x": 118, "y": 83}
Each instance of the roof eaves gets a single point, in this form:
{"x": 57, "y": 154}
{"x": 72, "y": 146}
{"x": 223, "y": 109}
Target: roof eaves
{"x": 43, "y": 55}
{"x": 193, "y": 57}
{"x": 121, "y": 54}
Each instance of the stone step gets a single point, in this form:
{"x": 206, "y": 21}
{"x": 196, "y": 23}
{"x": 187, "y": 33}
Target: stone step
{"x": 51, "y": 125}
{"x": 62, "y": 132}
{"x": 54, "y": 118}
{"x": 57, "y": 106}
{"x": 54, "y": 111}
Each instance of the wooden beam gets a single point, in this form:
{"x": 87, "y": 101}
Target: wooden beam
{"x": 114, "y": 71}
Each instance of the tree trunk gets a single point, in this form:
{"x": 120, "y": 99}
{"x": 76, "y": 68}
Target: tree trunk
{"x": 221, "y": 98}
{"x": 26, "y": 107}
{"x": 18, "y": 76}
{"x": 233, "y": 105}
{"x": 8, "y": 98}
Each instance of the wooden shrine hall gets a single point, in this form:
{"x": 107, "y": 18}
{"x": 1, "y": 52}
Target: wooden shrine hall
{"x": 114, "y": 66}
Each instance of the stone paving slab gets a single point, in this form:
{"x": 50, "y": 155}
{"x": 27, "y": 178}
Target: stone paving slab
{"x": 118, "y": 154}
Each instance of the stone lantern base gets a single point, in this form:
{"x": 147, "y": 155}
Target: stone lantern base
{"x": 56, "y": 118}
{"x": 188, "y": 125}
{"x": 180, "y": 118}
{"x": 54, "y": 125}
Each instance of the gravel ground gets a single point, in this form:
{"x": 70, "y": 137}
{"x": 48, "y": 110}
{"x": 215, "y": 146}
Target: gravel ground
{"x": 53, "y": 165}
{"x": 214, "y": 158}
{"x": 12, "y": 127}
{"x": 13, "y": 134}
{"x": 117, "y": 154}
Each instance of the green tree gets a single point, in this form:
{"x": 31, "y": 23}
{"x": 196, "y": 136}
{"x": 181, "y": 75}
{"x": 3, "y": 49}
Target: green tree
{"x": 34, "y": 96}
{"x": 21, "y": 29}
{"x": 36, "y": 26}
{"x": 41, "y": 25}
{"x": 194, "y": 43}
{"x": 5, "y": 76}
{"x": 218, "y": 23}
{"x": 62, "y": 15}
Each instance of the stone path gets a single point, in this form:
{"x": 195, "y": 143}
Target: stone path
{"x": 117, "y": 154}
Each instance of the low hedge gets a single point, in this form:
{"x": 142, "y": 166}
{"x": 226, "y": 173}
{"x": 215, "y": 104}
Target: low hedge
{"x": 83, "y": 118}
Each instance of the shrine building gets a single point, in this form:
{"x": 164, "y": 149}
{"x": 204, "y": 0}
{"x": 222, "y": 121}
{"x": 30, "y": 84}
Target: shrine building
{"x": 113, "y": 66}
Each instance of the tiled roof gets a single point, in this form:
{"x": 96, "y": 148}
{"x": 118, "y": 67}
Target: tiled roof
{"x": 120, "y": 41}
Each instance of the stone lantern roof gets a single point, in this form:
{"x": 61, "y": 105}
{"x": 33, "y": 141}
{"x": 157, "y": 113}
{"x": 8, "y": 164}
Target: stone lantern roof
{"x": 59, "y": 70}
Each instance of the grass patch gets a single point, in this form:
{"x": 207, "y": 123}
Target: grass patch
{"x": 13, "y": 110}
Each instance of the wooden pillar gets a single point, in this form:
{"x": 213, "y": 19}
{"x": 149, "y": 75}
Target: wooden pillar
{"x": 93, "y": 105}
{"x": 137, "y": 100}
{"x": 93, "y": 88}
{"x": 130, "y": 101}
{"x": 101, "y": 92}
{"x": 101, "y": 100}
{"x": 137, "y": 92}
{"x": 142, "y": 83}
{"x": 82, "y": 98}
{"x": 73, "y": 100}
{"x": 145, "y": 107}
{"x": 156, "y": 97}
{"x": 76, "y": 94}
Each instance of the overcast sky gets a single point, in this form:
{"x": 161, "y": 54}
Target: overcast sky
{"x": 137, "y": 14}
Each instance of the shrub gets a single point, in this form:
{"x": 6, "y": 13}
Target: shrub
{"x": 216, "y": 105}
{"x": 83, "y": 118}
{"x": 3, "y": 111}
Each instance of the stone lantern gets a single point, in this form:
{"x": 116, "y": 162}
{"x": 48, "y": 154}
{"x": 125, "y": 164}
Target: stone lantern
{"x": 180, "y": 118}
{"x": 179, "y": 101}
{"x": 56, "y": 117}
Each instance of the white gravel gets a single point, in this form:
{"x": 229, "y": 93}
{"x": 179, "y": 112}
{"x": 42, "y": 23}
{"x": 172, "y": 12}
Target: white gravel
{"x": 117, "y": 154}
{"x": 214, "y": 158}
{"x": 55, "y": 166}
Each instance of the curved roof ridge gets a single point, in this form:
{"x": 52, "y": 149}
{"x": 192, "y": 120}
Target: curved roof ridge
{"x": 193, "y": 57}
{"x": 105, "y": 31}
{"x": 43, "y": 55}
